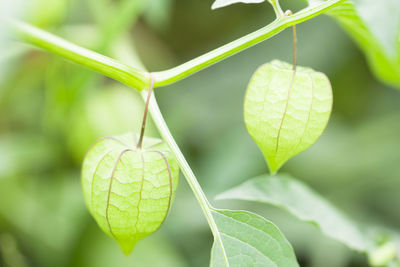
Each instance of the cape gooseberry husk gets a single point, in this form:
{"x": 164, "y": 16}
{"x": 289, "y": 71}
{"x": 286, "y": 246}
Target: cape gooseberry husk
{"x": 286, "y": 111}
{"x": 129, "y": 190}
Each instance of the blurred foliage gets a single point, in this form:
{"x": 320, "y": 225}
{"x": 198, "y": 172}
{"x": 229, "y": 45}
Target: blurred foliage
{"x": 375, "y": 26}
{"x": 51, "y": 111}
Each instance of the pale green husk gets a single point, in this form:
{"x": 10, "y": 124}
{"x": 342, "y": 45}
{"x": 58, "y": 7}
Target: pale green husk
{"x": 129, "y": 190}
{"x": 286, "y": 113}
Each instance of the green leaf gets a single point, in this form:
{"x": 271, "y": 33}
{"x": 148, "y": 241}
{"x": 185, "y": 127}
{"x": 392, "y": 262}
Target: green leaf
{"x": 375, "y": 27}
{"x": 248, "y": 240}
{"x": 129, "y": 190}
{"x": 295, "y": 197}
{"x": 285, "y": 111}
{"x": 223, "y": 3}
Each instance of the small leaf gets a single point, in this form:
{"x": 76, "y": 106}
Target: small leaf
{"x": 285, "y": 111}
{"x": 223, "y": 3}
{"x": 129, "y": 190}
{"x": 289, "y": 194}
{"x": 249, "y": 240}
{"x": 375, "y": 27}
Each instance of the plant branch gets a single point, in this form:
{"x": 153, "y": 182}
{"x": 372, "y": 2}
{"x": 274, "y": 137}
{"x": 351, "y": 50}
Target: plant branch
{"x": 182, "y": 71}
{"x": 183, "y": 164}
{"x": 112, "y": 68}
{"x": 139, "y": 79}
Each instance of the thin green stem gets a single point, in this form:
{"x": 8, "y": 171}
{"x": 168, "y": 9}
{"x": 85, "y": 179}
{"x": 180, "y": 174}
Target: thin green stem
{"x": 139, "y": 79}
{"x": 112, "y": 68}
{"x": 183, "y": 164}
{"x": 277, "y": 8}
{"x": 167, "y": 136}
{"x": 182, "y": 71}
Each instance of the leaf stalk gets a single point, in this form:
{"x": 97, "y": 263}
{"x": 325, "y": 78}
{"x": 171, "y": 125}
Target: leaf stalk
{"x": 277, "y": 8}
{"x": 146, "y": 109}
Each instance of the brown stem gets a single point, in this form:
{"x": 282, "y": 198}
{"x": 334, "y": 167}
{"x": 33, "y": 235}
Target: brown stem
{"x": 146, "y": 109}
{"x": 289, "y": 13}
{"x": 294, "y": 48}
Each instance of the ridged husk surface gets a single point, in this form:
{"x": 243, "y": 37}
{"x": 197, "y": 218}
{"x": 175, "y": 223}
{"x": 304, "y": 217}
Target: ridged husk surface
{"x": 129, "y": 190}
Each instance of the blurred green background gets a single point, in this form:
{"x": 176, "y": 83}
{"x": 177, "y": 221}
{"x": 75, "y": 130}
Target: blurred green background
{"x": 51, "y": 111}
